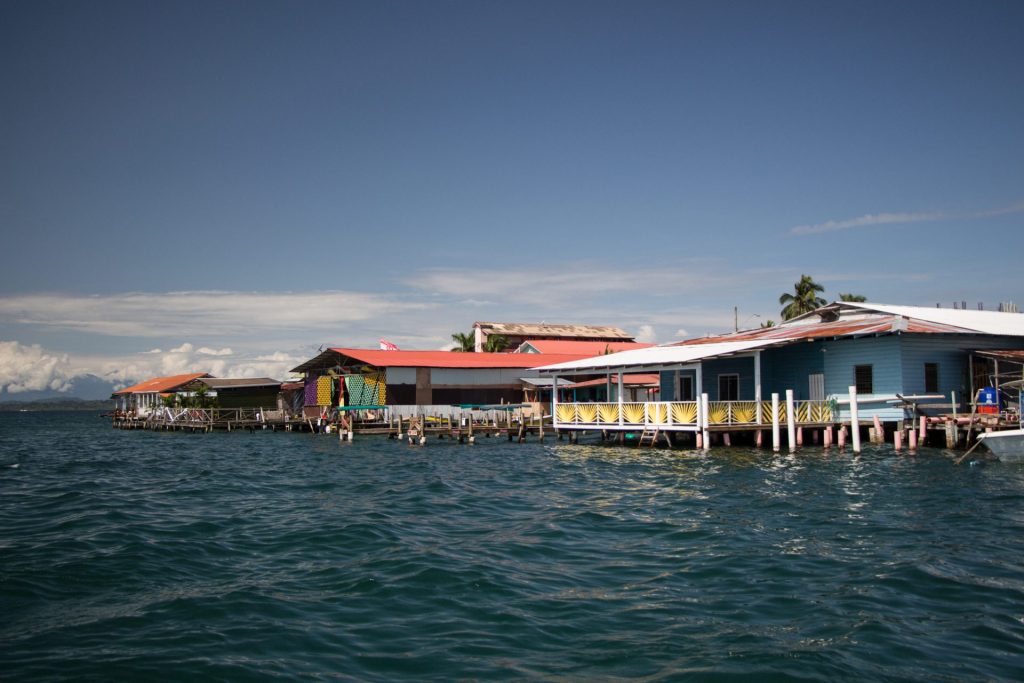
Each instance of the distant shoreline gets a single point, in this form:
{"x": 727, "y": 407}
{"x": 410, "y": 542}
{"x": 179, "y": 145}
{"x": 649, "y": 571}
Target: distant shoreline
{"x": 53, "y": 405}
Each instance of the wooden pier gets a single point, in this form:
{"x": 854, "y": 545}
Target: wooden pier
{"x": 698, "y": 424}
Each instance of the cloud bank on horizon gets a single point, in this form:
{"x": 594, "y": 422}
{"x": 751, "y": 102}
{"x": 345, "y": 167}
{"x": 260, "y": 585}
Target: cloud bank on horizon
{"x": 250, "y": 334}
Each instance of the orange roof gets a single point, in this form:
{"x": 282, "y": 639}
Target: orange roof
{"x": 584, "y": 348}
{"x": 162, "y": 384}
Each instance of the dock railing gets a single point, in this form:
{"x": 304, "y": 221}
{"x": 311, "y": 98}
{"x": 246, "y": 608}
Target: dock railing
{"x": 685, "y": 415}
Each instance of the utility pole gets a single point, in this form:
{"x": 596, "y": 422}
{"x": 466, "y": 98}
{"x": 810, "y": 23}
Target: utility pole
{"x": 735, "y": 318}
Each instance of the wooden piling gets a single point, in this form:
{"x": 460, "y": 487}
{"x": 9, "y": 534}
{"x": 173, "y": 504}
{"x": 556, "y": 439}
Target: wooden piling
{"x": 854, "y": 420}
{"x": 790, "y": 420}
{"x": 776, "y": 430}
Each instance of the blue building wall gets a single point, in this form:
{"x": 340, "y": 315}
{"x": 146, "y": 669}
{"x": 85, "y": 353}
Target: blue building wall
{"x": 897, "y": 363}
{"x": 789, "y": 367}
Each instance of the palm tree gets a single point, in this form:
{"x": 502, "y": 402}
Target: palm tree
{"x": 852, "y": 297}
{"x": 804, "y": 298}
{"x": 496, "y": 343}
{"x": 464, "y": 342}
{"x": 767, "y": 323}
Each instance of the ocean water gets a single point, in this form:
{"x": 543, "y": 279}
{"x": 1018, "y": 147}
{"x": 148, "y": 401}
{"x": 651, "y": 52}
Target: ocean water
{"x": 164, "y": 556}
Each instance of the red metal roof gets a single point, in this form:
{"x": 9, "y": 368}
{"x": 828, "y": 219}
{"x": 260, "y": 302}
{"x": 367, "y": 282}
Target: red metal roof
{"x": 583, "y": 348}
{"x": 453, "y": 359}
{"x": 162, "y": 384}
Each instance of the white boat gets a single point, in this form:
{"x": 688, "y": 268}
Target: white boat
{"x": 1006, "y": 445}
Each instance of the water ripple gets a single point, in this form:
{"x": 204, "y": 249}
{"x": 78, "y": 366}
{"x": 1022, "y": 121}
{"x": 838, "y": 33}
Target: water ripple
{"x": 136, "y": 555}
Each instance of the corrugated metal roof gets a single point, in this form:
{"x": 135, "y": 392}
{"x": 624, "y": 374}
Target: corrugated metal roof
{"x": 654, "y": 357}
{"x": 856, "y": 319}
{"x": 432, "y": 359}
{"x": 161, "y": 384}
{"x": 840, "y": 328}
{"x": 986, "y": 322}
{"x": 553, "y": 330}
{"x": 582, "y": 348}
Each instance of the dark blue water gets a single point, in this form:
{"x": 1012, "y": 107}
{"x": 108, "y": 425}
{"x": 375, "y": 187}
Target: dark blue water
{"x": 155, "y": 556}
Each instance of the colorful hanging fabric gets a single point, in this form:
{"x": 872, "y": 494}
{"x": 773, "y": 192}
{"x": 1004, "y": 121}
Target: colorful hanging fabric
{"x": 310, "y": 391}
{"x": 323, "y": 391}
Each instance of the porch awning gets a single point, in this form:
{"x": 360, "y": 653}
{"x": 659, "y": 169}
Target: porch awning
{"x": 544, "y": 381}
{"x": 658, "y": 357}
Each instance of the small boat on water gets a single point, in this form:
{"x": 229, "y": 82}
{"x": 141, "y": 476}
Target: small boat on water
{"x": 1007, "y": 445}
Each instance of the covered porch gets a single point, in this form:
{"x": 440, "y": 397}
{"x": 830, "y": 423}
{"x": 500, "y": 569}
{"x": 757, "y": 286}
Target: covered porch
{"x": 735, "y": 402}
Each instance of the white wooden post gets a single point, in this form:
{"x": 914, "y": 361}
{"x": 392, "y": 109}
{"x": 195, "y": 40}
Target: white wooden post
{"x": 854, "y": 420}
{"x": 621, "y": 422}
{"x": 554, "y": 404}
{"x": 790, "y": 420}
{"x": 775, "y": 422}
{"x": 699, "y": 379}
{"x": 700, "y": 425}
{"x": 704, "y": 409}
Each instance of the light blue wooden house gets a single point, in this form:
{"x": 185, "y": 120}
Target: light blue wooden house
{"x": 892, "y": 355}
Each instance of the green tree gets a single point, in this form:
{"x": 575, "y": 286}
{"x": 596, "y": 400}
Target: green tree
{"x": 852, "y": 297}
{"x": 496, "y": 343}
{"x": 804, "y": 298}
{"x": 464, "y": 342}
{"x": 768, "y": 323}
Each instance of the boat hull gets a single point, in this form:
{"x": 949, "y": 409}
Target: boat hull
{"x": 1008, "y": 445}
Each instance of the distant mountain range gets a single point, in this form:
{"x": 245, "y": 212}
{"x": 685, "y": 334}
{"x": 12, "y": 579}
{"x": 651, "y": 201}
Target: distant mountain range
{"x": 84, "y": 387}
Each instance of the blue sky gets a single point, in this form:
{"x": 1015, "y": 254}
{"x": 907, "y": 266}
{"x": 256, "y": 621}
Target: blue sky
{"x": 254, "y": 179}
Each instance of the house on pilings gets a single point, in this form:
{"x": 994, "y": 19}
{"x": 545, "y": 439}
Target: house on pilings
{"x": 434, "y": 380}
{"x": 900, "y": 359}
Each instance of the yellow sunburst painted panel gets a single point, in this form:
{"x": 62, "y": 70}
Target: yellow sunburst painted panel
{"x": 718, "y": 413}
{"x": 766, "y": 411}
{"x": 684, "y": 413}
{"x": 744, "y": 411}
{"x": 587, "y": 413}
{"x": 657, "y": 413}
{"x": 566, "y": 413}
{"x": 633, "y": 413}
{"x": 821, "y": 412}
{"x": 609, "y": 412}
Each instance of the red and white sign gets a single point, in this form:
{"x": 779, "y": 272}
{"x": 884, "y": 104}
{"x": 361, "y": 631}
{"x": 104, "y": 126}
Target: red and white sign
{"x": 385, "y": 345}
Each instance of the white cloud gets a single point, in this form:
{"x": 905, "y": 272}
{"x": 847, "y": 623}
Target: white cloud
{"x": 199, "y": 313}
{"x": 646, "y": 334}
{"x": 31, "y": 368}
{"x": 573, "y": 283}
{"x": 207, "y": 351}
{"x": 681, "y": 333}
{"x": 866, "y": 220}
{"x": 872, "y": 219}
